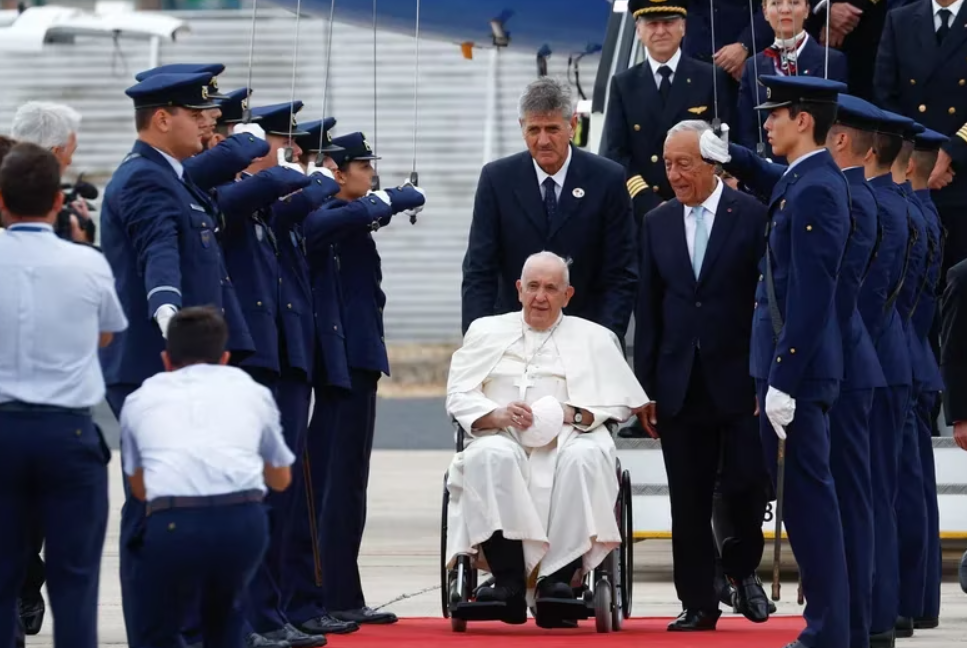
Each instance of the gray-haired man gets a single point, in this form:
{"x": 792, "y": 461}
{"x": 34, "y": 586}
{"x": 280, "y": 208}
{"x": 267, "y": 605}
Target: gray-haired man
{"x": 554, "y": 197}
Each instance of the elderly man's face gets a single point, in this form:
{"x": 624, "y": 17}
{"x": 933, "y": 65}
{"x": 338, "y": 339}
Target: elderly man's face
{"x": 65, "y": 154}
{"x": 661, "y": 38}
{"x": 548, "y": 138}
{"x": 691, "y": 178}
{"x": 543, "y": 294}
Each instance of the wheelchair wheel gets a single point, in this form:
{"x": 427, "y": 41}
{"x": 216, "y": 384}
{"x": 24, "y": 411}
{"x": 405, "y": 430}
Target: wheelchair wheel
{"x": 627, "y": 526}
{"x": 602, "y": 605}
{"x": 617, "y": 593}
{"x": 444, "y": 572}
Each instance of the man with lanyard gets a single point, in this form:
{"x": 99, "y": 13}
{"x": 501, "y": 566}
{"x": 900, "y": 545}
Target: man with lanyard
{"x": 797, "y": 346}
{"x": 158, "y": 232}
{"x": 57, "y": 305}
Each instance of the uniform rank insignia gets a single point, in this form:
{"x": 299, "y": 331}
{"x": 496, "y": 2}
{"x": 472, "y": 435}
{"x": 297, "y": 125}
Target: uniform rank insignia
{"x": 698, "y": 110}
{"x": 206, "y": 238}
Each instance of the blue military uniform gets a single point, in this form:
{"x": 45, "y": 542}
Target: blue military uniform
{"x": 923, "y": 317}
{"x": 641, "y": 111}
{"x": 350, "y": 432}
{"x": 158, "y": 234}
{"x": 877, "y": 304}
{"x": 797, "y": 348}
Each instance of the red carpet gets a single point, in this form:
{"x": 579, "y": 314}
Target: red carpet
{"x": 733, "y": 632}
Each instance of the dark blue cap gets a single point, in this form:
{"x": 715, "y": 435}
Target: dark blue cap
{"x": 170, "y": 90}
{"x": 914, "y": 129}
{"x": 929, "y": 140}
{"x": 318, "y": 131}
{"x": 782, "y": 91}
{"x": 234, "y": 105}
{"x": 279, "y": 119}
{"x": 893, "y": 124}
{"x": 857, "y": 113}
{"x": 214, "y": 69}
{"x": 355, "y": 147}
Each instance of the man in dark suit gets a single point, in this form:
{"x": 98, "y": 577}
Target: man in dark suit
{"x": 920, "y": 70}
{"x": 735, "y": 37}
{"x": 698, "y": 264}
{"x": 648, "y": 99}
{"x": 552, "y": 197}
{"x": 792, "y": 53}
{"x": 953, "y": 351}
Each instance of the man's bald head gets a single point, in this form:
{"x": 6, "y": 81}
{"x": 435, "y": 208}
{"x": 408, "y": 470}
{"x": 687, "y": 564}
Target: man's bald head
{"x": 544, "y": 289}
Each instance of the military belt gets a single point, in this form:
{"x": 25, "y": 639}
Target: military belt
{"x": 202, "y": 501}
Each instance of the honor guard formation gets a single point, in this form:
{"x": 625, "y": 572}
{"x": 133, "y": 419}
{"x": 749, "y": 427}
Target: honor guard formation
{"x": 777, "y": 207}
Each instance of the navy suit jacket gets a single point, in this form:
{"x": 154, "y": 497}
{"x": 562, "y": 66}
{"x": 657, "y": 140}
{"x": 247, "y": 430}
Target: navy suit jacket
{"x": 678, "y": 315}
{"x": 752, "y": 93}
{"x": 731, "y": 26}
{"x": 595, "y": 228}
{"x": 159, "y": 235}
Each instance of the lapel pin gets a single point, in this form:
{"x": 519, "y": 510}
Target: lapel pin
{"x": 578, "y": 192}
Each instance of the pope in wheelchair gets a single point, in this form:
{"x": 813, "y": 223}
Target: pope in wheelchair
{"x": 532, "y": 498}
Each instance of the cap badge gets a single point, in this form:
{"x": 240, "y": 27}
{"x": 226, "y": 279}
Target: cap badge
{"x": 214, "y": 83}
{"x": 768, "y": 93}
{"x": 204, "y": 93}
{"x": 245, "y": 104}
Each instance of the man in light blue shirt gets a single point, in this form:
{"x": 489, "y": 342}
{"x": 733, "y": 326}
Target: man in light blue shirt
{"x": 57, "y": 305}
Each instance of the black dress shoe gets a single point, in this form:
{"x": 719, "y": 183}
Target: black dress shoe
{"x": 553, "y": 589}
{"x": 513, "y": 596}
{"x": 883, "y": 639}
{"x": 32, "y": 614}
{"x": 751, "y": 600}
{"x": 366, "y": 615}
{"x": 695, "y": 621}
{"x": 258, "y": 641}
{"x": 926, "y": 623}
{"x": 904, "y": 627}
{"x": 324, "y": 625}
{"x": 295, "y": 637}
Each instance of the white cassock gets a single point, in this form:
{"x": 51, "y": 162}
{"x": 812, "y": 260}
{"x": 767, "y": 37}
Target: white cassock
{"x": 557, "y": 498}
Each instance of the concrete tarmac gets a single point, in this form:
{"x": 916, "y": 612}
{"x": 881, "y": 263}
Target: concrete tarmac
{"x": 400, "y": 558}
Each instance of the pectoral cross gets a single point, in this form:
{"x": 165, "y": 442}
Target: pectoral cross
{"x": 524, "y": 382}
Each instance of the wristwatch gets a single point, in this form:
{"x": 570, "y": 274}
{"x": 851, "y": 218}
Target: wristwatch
{"x": 578, "y": 417}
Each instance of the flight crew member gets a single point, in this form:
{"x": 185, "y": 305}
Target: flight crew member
{"x": 203, "y": 478}
{"x": 850, "y": 143}
{"x": 797, "y": 348}
{"x": 734, "y": 41}
{"x": 878, "y": 307}
{"x": 53, "y": 460}
{"x": 910, "y": 504}
{"x": 648, "y": 99}
{"x": 158, "y": 234}
{"x": 792, "y": 53}
{"x": 926, "y": 149}
{"x": 920, "y": 68}
{"x": 351, "y": 430}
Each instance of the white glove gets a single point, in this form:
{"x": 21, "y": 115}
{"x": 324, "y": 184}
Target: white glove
{"x": 295, "y": 166}
{"x": 252, "y": 129}
{"x": 410, "y": 213}
{"x": 780, "y": 408}
{"x": 163, "y": 317}
{"x": 322, "y": 170}
{"x": 382, "y": 195}
{"x": 715, "y": 148}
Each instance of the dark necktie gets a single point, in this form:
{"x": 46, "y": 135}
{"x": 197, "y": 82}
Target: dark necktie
{"x": 666, "y": 84}
{"x": 550, "y": 201}
{"x": 945, "y": 15}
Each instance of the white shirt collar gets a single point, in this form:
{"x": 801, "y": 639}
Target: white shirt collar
{"x": 672, "y": 62}
{"x": 805, "y": 157}
{"x": 954, "y": 9}
{"x": 175, "y": 164}
{"x": 529, "y": 329}
{"x": 16, "y": 226}
{"x": 711, "y": 203}
{"x": 557, "y": 177}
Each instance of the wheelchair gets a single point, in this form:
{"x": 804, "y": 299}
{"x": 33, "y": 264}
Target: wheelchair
{"x": 605, "y": 594}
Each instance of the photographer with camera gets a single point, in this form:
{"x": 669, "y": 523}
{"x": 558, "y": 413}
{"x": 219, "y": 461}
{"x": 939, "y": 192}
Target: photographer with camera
{"x": 54, "y": 127}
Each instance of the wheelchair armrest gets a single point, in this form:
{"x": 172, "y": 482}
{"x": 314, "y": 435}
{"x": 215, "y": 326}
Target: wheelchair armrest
{"x": 460, "y": 433}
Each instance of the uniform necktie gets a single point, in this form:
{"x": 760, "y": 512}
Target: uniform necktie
{"x": 550, "y": 200}
{"x": 945, "y": 15}
{"x": 666, "y": 85}
{"x": 701, "y": 239}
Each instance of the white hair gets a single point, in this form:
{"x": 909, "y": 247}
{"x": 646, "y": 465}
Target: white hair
{"x": 548, "y": 256}
{"x": 546, "y": 95}
{"x": 696, "y": 126}
{"x": 48, "y": 125}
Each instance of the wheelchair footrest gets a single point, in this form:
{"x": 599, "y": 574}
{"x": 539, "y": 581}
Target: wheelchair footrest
{"x": 478, "y": 611}
{"x": 563, "y": 609}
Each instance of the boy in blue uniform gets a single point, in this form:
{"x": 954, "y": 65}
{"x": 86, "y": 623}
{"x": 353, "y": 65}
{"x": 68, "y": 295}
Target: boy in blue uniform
{"x": 797, "y": 346}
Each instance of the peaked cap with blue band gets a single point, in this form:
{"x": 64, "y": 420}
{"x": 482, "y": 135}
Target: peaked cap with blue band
{"x": 857, "y": 113}
{"x": 214, "y": 69}
{"x": 234, "y": 105}
{"x": 782, "y": 91}
{"x": 355, "y": 147}
{"x": 173, "y": 90}
{"x": 279, "y": 119}
{"x": 319, "y": 130}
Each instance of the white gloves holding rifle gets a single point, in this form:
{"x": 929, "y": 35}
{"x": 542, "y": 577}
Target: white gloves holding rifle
{"x": 715, "y": 148}
{"x": 780, "y": 408}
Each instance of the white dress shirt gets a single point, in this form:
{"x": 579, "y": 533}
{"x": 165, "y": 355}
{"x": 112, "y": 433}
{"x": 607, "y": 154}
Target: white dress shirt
{"x": 954, "y": 10}
{"x": 672, "y": 63}
{"x": 202, "y": 430}
{"x": 558, "y": 177}
{"x": 801, "y": 159}
{"x": 711, "y": 205}
{"x": 56, "y": 297}
{"x": 175, "y": 164}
